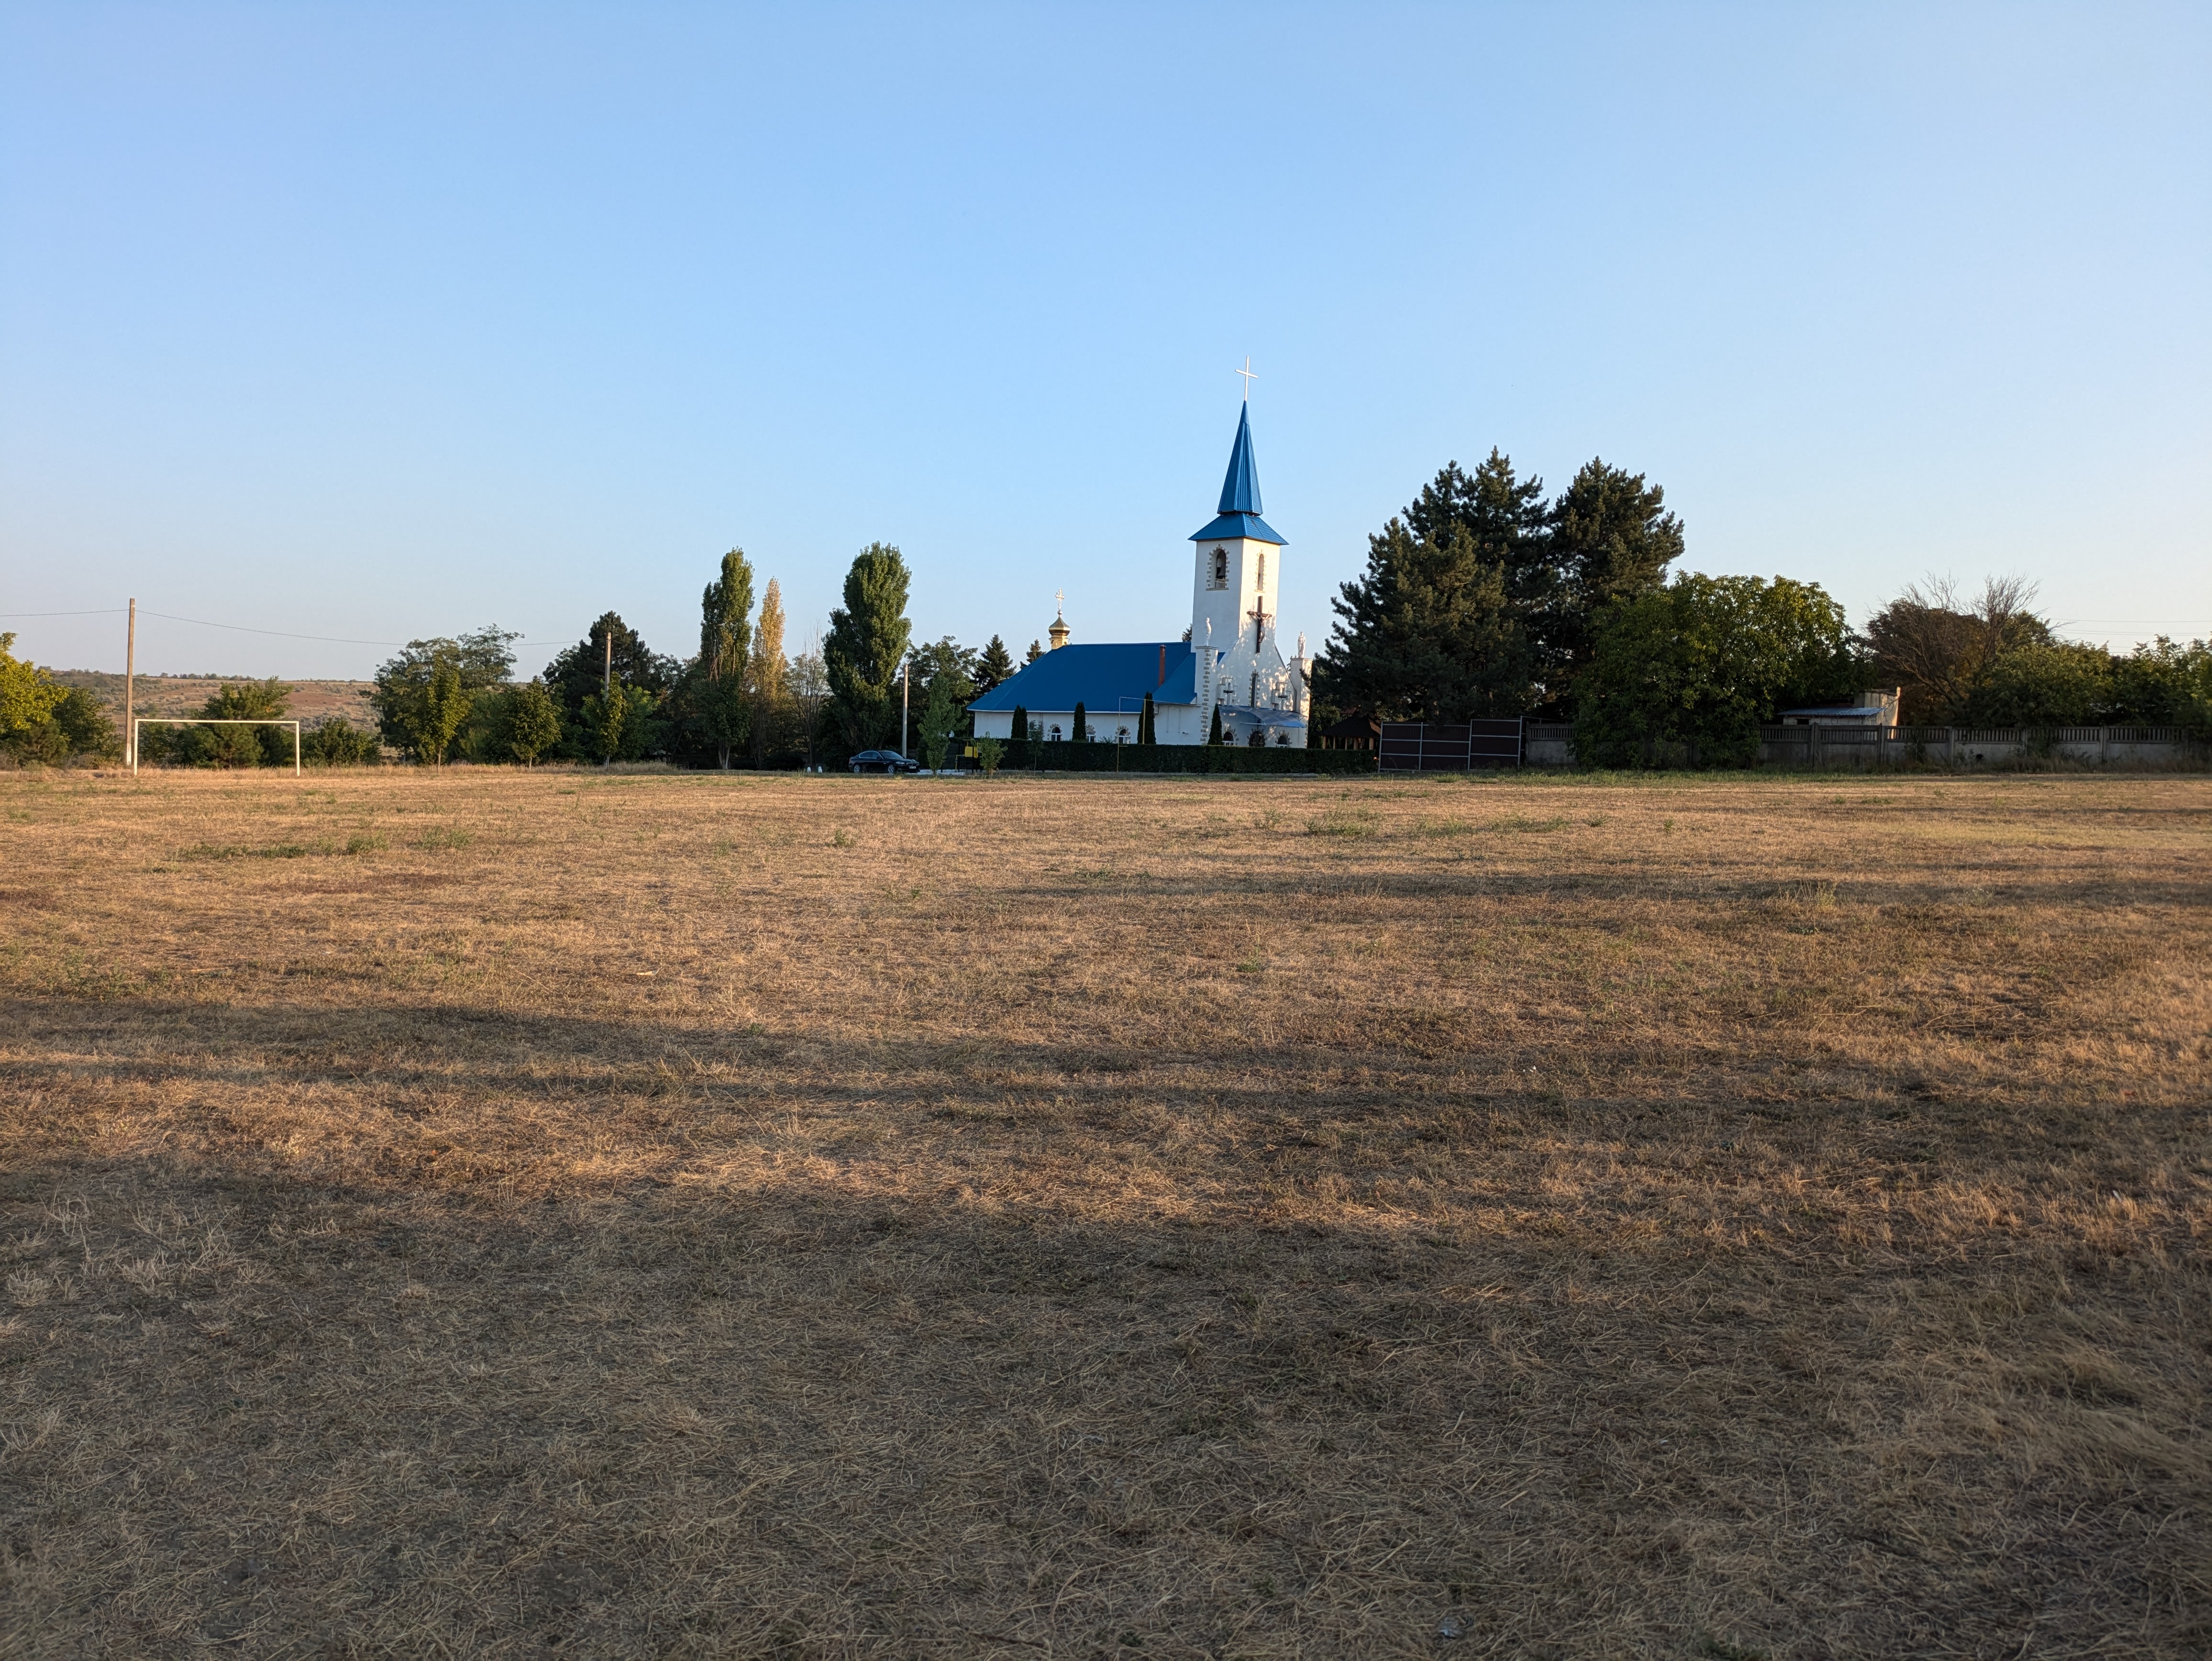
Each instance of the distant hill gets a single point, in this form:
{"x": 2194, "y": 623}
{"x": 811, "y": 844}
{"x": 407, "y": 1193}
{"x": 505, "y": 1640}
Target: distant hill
{"x": 183, "y": 695}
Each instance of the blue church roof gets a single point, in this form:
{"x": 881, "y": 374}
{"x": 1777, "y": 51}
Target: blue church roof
{"x": 1240, "y": 487}
{"x": 1232, "y": 525}
{"x": 1240, "y": 494}
{"x": 1104, "y": 680}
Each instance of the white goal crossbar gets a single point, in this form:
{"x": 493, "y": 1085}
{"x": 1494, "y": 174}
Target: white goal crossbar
{"x": 210, "y": 721}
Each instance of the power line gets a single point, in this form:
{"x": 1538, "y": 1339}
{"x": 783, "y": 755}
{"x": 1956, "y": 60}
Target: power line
{"x": 235, "y": 627}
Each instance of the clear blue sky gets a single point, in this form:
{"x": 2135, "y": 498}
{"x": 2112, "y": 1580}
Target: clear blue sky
{"x": 383, "y": 321}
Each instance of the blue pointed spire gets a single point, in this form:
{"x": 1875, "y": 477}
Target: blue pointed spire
{"x": 1240, "y": 490}
{"x": 1239, "y": 513}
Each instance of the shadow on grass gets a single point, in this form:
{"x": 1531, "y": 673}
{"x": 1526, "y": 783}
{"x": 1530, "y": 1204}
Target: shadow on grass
{"x": 292, "y": 1418}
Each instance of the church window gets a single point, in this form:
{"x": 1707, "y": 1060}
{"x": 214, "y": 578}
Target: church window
{"x": 1263, "y": 570}
{"x": 1055, "y": 731}
{"x": 1220, "y": 569}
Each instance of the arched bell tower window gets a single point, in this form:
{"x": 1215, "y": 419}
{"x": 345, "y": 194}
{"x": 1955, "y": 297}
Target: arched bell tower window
{"x": 1220, "y": 579}
{"x": 1263, "y": 570}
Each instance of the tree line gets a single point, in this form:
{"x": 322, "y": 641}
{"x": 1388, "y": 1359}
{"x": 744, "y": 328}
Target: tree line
{"x": 740, "y": 700}
{"x": 1484, "y": 599}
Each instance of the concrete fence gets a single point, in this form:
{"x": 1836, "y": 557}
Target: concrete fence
{"x": 1551, "y": 744}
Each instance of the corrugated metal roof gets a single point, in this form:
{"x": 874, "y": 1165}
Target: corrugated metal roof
{"x": 1105, "y": 679}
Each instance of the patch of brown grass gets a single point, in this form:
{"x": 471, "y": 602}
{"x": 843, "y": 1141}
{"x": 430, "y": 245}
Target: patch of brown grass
{"x": 485, "y": 1213}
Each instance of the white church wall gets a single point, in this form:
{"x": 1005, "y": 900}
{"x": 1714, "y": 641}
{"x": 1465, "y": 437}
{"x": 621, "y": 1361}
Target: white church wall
{"x": 1176, "y": 723}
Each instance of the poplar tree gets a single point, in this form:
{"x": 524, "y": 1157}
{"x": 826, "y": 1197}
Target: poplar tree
{"x": 1078, "y": 735}
{"x": 724, "y": 638}
{"x": 867, "y": 642}
{"x": 765, "y": 677}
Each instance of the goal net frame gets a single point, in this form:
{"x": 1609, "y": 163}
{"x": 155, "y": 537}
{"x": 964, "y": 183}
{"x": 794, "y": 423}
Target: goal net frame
{"x": 211, "y": 721}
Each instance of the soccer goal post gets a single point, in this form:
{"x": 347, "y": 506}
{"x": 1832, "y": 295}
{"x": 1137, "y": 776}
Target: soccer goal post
{"x": 210, "y": 721}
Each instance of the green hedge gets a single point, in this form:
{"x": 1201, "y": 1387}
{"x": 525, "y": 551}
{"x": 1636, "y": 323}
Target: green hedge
{"x": 1071, "y": 758}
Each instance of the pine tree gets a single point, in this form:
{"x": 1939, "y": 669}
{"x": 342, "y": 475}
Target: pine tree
{"x": 1611, "y": 539}
{"x": 993, "y": 665}
{"x": 1035, "y": 651}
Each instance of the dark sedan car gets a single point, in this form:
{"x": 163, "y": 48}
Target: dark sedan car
{"x": 883, "y": 761}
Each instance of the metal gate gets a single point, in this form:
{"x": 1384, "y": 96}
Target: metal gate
{"x": 1434, "y": 746}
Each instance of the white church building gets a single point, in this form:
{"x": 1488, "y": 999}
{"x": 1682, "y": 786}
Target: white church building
{"x": 1229, "y": 661}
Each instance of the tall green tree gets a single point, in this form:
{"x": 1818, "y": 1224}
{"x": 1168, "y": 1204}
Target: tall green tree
{"x": 716, "y": 696}
{"x": 767, "y": 679}
{"x": 420, "y": 713}
{"x": 1429, "y": 631}
{"x": 1503, "y": 515}
{"x": 1690, "y": 671}
{"x": 867, "y": 644}
{"x": 1610, "y": 537}
{"x": 578, "y": 671}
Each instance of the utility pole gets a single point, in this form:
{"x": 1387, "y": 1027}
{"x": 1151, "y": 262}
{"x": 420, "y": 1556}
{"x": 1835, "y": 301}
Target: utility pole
{"x": 607, "y": 677}
{"x": 906, "y": 680}
{"x": 131, "y": 680}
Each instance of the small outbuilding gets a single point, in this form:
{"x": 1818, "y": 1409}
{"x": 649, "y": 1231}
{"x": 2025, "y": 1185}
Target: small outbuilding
{"x": 1876, "y": 706}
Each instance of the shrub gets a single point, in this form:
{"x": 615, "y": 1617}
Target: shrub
{"x": 2053, "y": 684}
{"x": 336, "y": 742}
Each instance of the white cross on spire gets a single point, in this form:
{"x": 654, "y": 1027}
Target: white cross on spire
{"x": 1249, "y": 377}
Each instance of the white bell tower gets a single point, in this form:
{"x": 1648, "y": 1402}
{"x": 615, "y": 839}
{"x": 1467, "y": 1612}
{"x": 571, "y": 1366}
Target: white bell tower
{"x": 1235, "y": 578}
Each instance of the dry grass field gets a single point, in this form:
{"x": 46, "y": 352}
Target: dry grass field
{"x": 494, "y": 1215}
